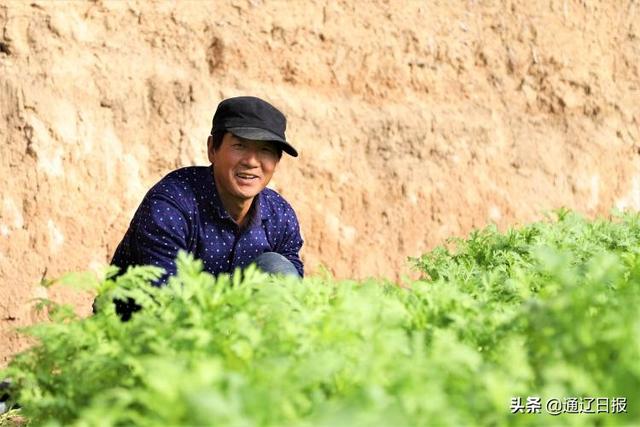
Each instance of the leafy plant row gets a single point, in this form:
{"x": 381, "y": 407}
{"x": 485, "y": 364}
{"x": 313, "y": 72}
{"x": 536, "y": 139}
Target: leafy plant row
{"x": 548, "y": 310}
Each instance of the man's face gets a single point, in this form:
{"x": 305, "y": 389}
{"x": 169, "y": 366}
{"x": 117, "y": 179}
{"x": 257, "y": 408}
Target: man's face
{"x": 242, "y": 168}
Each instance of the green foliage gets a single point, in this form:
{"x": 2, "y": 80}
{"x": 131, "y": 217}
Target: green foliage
{"x": 546, "y": 310}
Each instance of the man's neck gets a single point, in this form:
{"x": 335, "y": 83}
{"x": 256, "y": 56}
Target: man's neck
{"x": 241, "y": 214}
{"x": 238, "y": 210}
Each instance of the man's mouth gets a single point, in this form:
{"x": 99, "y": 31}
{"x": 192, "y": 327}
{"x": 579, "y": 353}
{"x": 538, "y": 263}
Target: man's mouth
{"x": 246, "y": 177}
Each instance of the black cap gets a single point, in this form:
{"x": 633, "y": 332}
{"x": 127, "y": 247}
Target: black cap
{"x": 252, "y": 118}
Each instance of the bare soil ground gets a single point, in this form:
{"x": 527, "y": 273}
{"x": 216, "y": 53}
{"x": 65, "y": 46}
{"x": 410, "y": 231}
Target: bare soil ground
{"x": 414, "y": 123}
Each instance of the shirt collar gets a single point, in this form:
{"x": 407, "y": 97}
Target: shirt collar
{"x": 216, "y": 204}
{"x": 255, "y": 213}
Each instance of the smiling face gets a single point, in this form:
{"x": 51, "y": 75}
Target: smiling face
{"x": 242, "y": 168}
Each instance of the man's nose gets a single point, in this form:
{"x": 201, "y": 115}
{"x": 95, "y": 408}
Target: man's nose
{"x": 251, "y": 157}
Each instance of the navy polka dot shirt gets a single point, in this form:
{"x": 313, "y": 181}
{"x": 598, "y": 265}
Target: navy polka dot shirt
{"x": 184, "y": 211}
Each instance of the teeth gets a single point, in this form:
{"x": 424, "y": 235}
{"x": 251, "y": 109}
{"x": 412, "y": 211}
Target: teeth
{"x": 246, "y": 176}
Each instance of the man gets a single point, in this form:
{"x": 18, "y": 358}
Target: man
{"x": 223, "y": 214}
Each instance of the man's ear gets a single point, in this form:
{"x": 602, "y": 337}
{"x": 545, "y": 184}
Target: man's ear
{"x": 210, "y": 148}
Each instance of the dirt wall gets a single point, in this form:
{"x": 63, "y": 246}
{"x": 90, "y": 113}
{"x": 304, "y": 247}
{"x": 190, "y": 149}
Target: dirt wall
{"x": 416, "y": 121}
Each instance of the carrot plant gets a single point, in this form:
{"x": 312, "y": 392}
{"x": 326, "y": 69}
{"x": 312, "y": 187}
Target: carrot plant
{"x": 547, "y": 310}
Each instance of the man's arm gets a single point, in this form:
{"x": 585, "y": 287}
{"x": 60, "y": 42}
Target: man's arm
{"x": 292, "y": 241}
{"x": 159, "y": 230}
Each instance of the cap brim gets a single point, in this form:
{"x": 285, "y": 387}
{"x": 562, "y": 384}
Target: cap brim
{"x": 257, "y": 134}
